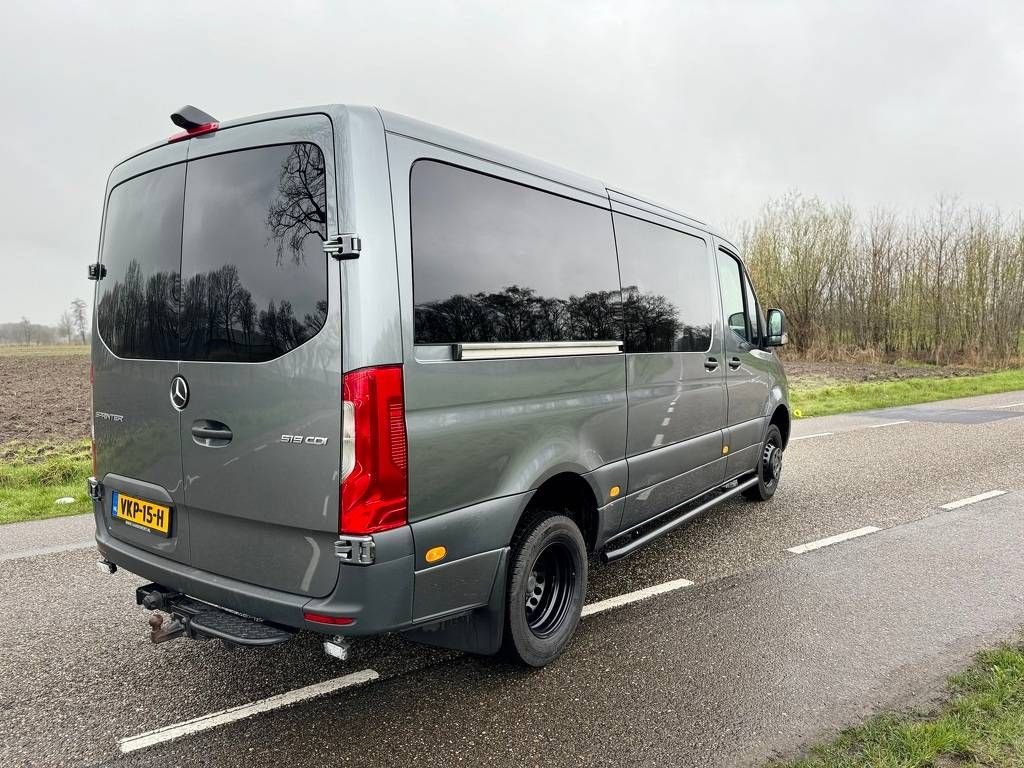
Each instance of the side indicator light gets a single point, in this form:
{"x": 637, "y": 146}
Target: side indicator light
{"x": 435, "y": 554}
{"x": 319, "y": 618}
{"x": 725, "y": 449}
{"x": 615, "y": 491}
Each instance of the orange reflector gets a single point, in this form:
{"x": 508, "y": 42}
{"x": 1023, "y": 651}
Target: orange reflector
{"x": 435, "y": 554}
{"x": 725, "y": 449}
{"x": 615, "y": 491}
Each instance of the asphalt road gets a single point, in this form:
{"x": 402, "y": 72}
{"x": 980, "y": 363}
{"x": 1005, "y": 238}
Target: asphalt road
{"x": 767, "y": 651}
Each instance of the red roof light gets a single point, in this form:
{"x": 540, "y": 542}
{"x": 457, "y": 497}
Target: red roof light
{"x": 199, "y": 130}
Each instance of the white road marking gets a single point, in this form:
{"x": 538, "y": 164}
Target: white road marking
{"x": 888, "y": 424}
{"x": 972, "y": 499}
{"x": 46, "y": 550}
{"x": 665, "y": 422}
{"x": 800, "y": 549}
{"x": 808, "y": 437}
{"x": 1011, "y": 405}
{"x": 233, "y": 714}
{"x": 658, "y": 440}
{"x": 635, "y": 597}
{"x": 671, "y": 409}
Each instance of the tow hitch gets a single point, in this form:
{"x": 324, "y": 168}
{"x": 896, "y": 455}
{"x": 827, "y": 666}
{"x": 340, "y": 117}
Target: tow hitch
{"x": 202, "y": 621}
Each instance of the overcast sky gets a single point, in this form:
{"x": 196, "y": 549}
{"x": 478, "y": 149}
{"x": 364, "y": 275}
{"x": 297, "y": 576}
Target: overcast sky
{"x": 708, "y": 107}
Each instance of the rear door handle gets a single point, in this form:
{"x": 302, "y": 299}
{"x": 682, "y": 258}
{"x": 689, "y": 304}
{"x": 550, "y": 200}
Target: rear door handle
{"x": 710, "y": 365}
{"x": 211, "y": 433}
{"x": 734, "y": 363}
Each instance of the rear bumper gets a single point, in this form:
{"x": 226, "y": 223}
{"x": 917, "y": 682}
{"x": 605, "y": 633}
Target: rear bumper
{"x": 378, "y": 597}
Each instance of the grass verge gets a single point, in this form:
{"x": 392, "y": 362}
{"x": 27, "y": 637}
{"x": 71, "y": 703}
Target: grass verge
{"x": 981, "y": 725}
{"x": 32, "y": 478}
{"x": 843, "y": 398}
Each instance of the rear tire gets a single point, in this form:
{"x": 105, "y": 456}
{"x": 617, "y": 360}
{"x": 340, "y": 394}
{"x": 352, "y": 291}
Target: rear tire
{"x": 546, "y": 588}
{"x": 769, "y": 467}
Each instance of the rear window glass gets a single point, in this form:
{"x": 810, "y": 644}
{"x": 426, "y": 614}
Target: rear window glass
{"x": 668, "y": 292}
{"x": 254, "y": 275}
{"x": 495, "y": 261}
{"x": 219, "y": 262}
{"x": 137, "y": 307}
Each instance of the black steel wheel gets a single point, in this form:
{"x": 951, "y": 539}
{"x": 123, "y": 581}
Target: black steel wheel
{"x": 769, "y": 467}
{"x": 546, "y": 588}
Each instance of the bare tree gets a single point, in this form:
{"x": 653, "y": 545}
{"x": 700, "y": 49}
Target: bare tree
{"x": 79, "y": 318}
{"x": 64, "y": 326}
{"x": 26, "y": 330}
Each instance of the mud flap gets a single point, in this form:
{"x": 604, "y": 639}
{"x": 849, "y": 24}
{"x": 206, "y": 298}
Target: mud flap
{"x": 477, "y": 632}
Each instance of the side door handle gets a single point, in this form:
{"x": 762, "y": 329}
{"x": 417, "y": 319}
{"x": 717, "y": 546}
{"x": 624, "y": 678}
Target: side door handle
{"x": 211, "y": 434}
{"x": 711, "y": 364}
{"x": 734, "y": 363}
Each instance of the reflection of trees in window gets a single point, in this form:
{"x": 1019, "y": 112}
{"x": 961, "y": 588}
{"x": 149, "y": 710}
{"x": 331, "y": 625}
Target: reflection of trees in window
{"x": 218, "y": 318}
{"x": 653, "y": 324}
{"x": 651, "y": 321}
{"x": 519, "y": 314}
{"x": 300, "y": 208}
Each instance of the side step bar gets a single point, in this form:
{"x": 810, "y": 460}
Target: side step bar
{"x": 617, "y": 553}
{"x": 201, "y": 620}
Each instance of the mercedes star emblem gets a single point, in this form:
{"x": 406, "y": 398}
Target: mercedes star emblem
{"x": 179, "y": 392}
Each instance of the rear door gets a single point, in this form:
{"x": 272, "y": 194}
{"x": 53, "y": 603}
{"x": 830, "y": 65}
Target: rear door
{"x": 260, "y": 351}
{"x": 135, "y": 352}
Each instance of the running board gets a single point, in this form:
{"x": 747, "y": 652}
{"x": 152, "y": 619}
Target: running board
{"x": 610, "y": 555}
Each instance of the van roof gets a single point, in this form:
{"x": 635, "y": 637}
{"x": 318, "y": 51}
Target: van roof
{"x": 443, "y": 137}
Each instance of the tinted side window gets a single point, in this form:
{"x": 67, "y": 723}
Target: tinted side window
{"x": 667, "y": 288}
{"x": 254, "y": 275}
{"x": 137, "y": 308}
{"x": 500, "y": 262}
{"x": 731, "y": 282}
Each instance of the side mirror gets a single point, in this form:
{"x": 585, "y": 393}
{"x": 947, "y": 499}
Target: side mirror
{"x": 777, "y": 335}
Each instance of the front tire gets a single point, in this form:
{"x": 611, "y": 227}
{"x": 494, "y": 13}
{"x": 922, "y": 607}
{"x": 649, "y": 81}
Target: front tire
{"x": 546, "y": 588}
{"x": 769, "y": 467}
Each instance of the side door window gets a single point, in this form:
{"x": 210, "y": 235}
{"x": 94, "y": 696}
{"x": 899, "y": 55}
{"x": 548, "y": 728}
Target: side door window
{"x": 730, "y": 277}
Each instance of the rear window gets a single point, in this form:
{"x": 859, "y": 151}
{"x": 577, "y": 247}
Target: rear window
{"x": 254, "y": 274}
{"x": 668, "y": 292}
{"x": 496, "y": 261}
{"x": 222, "y": 262}
{"x": 136, "y": 311}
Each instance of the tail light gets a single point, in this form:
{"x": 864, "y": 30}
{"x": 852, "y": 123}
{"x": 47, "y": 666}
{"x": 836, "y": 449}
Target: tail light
{"x": 374, "y": 464}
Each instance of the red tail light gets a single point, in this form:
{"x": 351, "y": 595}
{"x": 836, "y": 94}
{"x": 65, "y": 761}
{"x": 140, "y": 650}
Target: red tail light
{"x": 199, "y": 130}
{"x": 319, "y": 618}
{"x": 375, "y": 478}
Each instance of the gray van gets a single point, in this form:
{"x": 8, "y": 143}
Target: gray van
{"x": 356, "y": 374}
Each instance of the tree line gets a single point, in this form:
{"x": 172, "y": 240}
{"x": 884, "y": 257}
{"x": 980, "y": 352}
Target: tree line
{"x": 945, "y": 287}
{"x": 72, "y": 328}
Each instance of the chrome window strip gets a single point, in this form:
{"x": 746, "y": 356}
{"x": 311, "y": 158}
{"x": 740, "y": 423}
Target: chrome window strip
{"x": 520, "y": 349}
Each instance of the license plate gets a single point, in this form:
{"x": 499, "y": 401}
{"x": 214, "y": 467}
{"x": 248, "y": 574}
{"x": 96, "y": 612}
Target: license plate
{"x": 139, "y": 513}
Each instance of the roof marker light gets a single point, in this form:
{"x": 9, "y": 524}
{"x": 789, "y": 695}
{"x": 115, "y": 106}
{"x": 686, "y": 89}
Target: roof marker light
{"x": 194, "y": 121}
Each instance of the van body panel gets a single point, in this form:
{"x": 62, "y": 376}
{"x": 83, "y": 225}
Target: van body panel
{"x": 515, "y": 421}
{"x": 369, "y": 284}
{"x": 643, "y": 505}
{"x": 456, "y": 586}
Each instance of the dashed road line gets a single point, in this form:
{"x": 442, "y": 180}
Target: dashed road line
{"x": 1010, "y": 405}
{"x": 46, "y": 550}
{"x": 808, "y": 437}
{"x": 827, "y": 542}
{"x": 973, "y": 499}
{"x": 234, "y": 714}
{"x": 635, "y": 597}
{"x": 888, "y": 424}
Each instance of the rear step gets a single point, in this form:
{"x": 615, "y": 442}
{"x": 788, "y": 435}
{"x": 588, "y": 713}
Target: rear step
{"x": 201, "y": 620}
{"x": 613, "y": 552}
